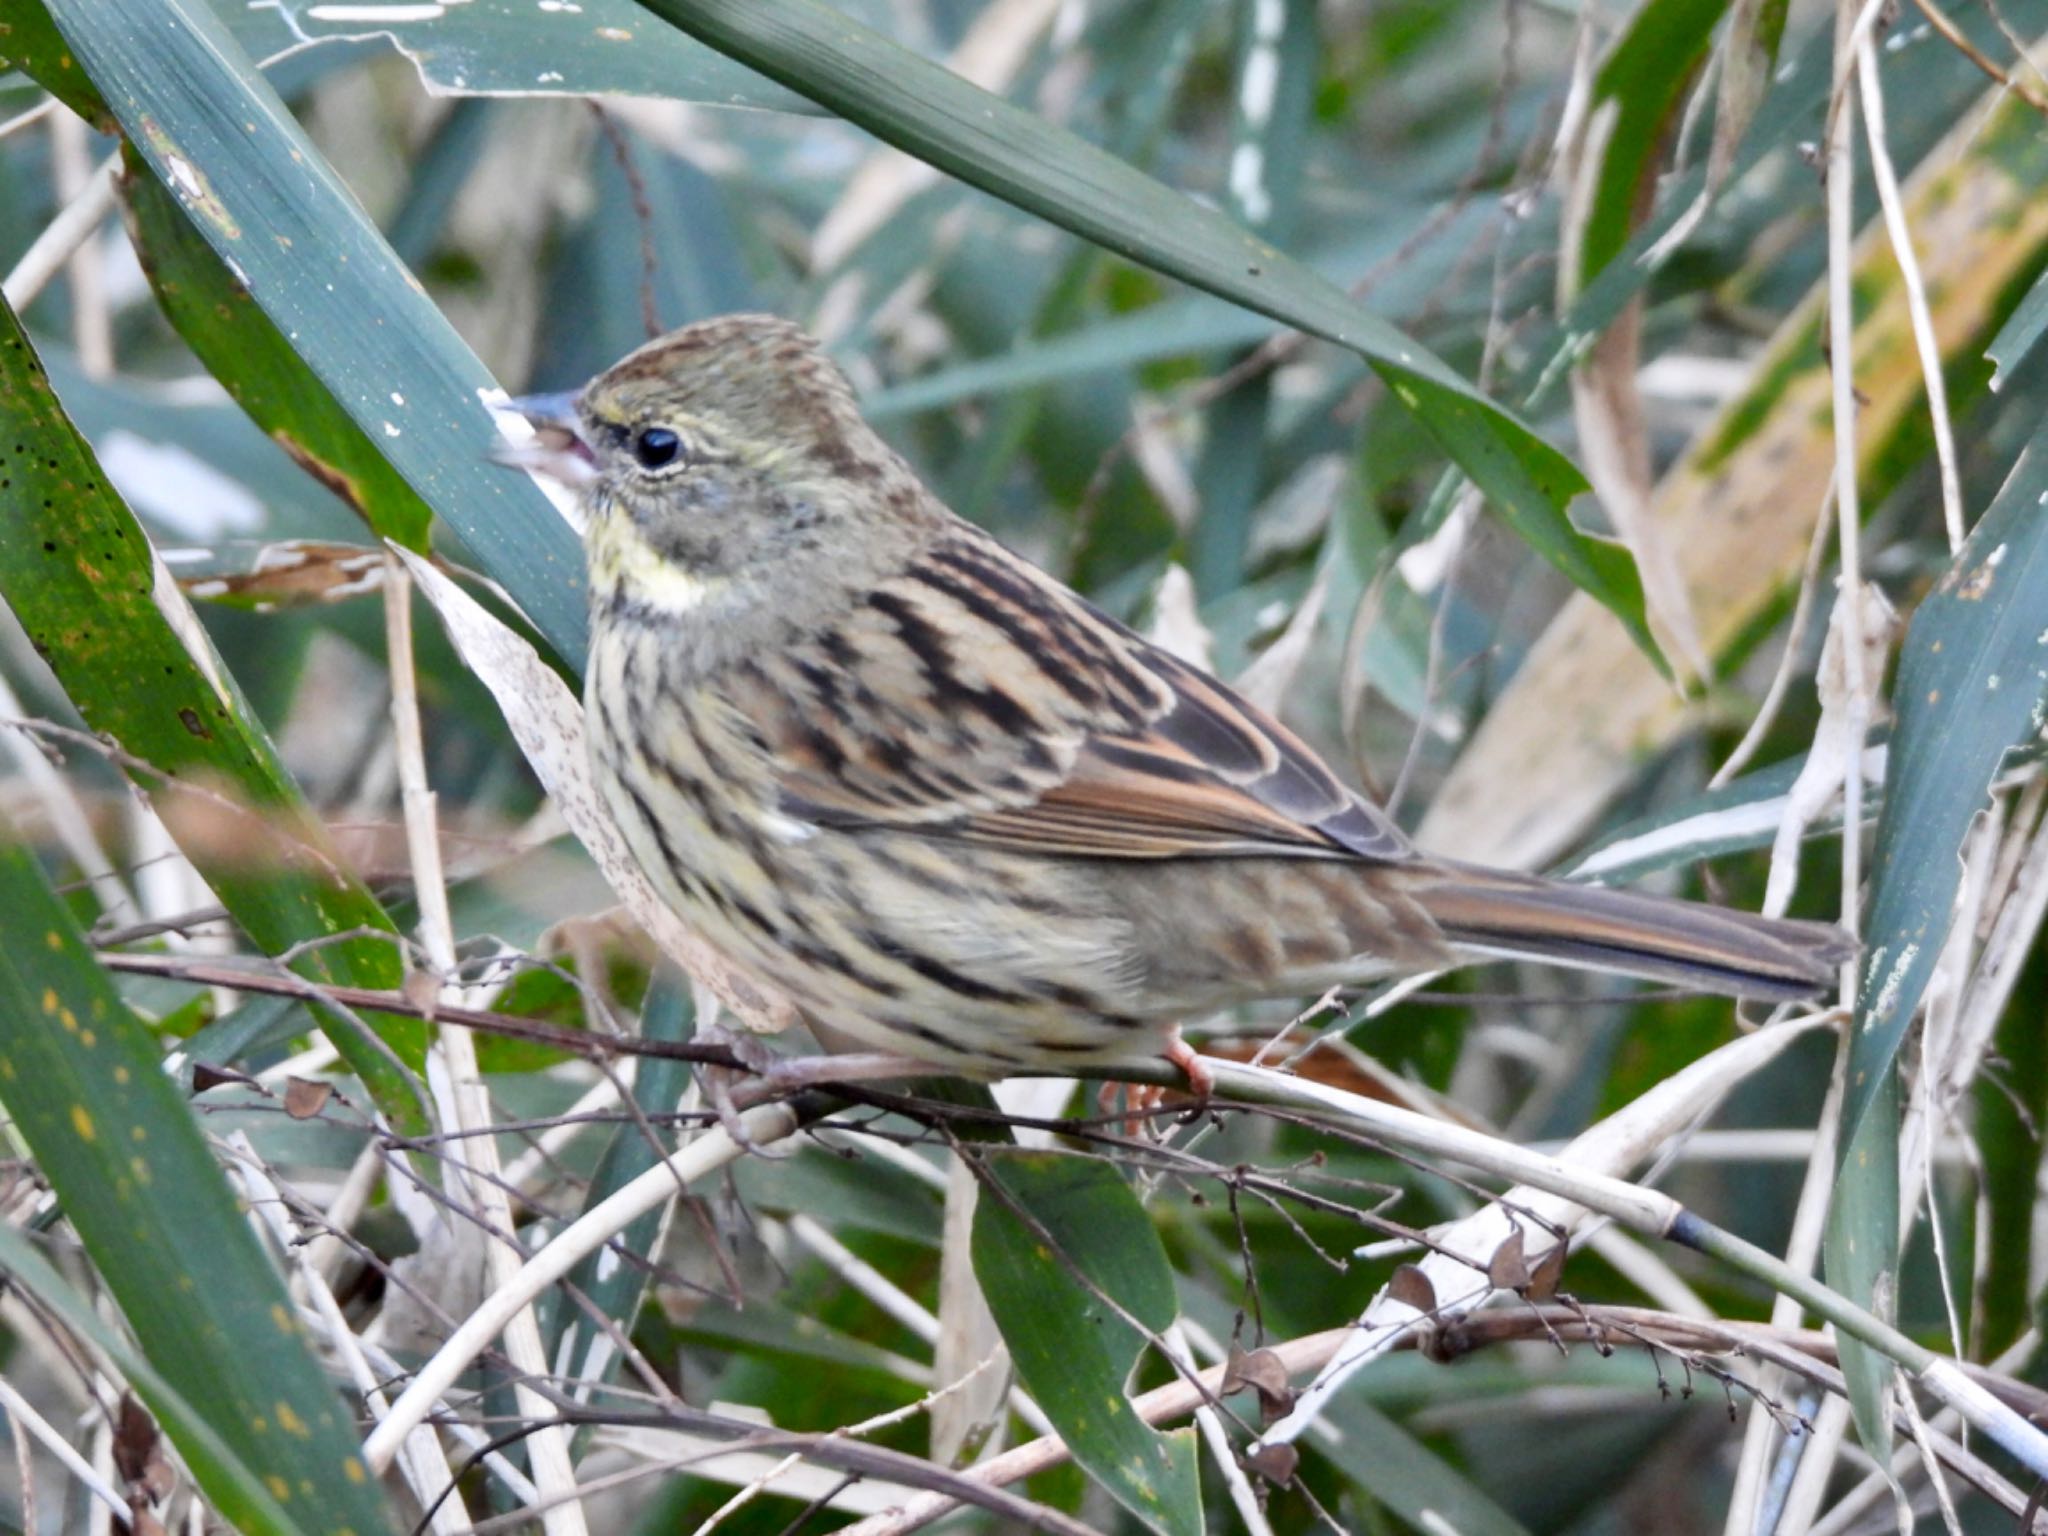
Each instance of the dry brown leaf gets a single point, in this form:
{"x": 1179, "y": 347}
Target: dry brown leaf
{"x": 1508, "y": 1269}
{"x": 1410, "y": 1286}
{"x": 304, "y": 1097}
{"x": 294, "y": 572}
{"x": 1275, "y": 1463}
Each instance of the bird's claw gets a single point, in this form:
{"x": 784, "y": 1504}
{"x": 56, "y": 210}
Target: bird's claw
{"x": 1142, "y": 1101}
{"x": 756, "y": 1064}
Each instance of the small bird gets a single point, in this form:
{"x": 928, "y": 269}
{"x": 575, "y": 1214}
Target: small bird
{"x": 949, "y": 807}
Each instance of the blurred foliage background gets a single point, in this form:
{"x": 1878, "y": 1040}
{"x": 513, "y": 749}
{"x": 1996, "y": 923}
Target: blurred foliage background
{"x": 1163, "y": 310}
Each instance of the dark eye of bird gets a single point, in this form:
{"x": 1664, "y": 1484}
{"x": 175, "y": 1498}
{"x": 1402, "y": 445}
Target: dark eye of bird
{"x": 656, "y": 447}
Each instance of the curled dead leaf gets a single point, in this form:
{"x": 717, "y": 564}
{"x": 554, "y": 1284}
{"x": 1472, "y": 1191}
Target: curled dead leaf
{"x": 1549, "y": 1271}
{"x": 1410, "y": 1286}
{"x": 1508, "y": 1269}
{"x": 304, "y": 1097}
{"x": 1266, "y": 1374}
{"x": 289, "y": 573}
{"x": 1275, "y": 1463}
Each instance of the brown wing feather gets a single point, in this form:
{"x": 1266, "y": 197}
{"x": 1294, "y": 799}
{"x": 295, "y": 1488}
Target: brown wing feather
{"x": 972, "y": 697}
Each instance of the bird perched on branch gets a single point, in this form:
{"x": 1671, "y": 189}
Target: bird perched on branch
{"x": 952, "y": 809}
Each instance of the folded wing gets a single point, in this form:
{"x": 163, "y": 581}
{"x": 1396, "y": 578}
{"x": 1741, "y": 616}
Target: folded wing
{"x": 972, "y": 697}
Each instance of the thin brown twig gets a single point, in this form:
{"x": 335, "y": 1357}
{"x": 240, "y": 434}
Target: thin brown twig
{"x": 643, "y": 213}
{"x": 215, "y": 973}
{"x": 1953, "y": 36}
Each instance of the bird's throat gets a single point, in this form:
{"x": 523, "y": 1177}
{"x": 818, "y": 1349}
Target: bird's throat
{"x": 627, "y": 572}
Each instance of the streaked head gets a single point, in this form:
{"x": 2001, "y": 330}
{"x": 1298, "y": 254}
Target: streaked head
{"x": 721, "y": 450}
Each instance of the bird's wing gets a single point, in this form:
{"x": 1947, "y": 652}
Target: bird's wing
{"x": 973, "y": 697}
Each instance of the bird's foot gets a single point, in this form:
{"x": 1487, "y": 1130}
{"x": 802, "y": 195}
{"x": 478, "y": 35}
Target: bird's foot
{"x": 1144, "y": 1101}
{"x": 1201, "y": 1081}
{"x": 756, "y": 1063}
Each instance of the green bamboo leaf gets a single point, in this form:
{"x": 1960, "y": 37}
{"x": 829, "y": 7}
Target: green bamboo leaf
{"x": 1044, "y": 1218}
{"x": 1972, "y": 685}
{"x": 259, "y": 367}
{"x": 2022, "y": 329}
{"x": 79, "y": 574}
{"x": 31, "y": 43}
{"x": 516, "y": 48}
{"x": 1860, "y": 1250}
{"x": 1404, "y": 1474}
{"x": 195, "y": 471}
{"x": 251, "y": 182}
{"x": 84, "y": 1086}
{"x": 1021, "y": 158}
{"x": 1641, "y": 82}
{"x": 233, "y": 1488}
{"x": 1741, "y": 816}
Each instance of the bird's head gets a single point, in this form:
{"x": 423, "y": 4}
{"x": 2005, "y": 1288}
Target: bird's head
{"x": 723, "y": 460}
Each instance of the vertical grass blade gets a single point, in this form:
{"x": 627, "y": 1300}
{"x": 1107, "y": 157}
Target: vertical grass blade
{"x": 212, "y": 131}
{"x": 81, "y": 577}
{"x": 1053, "y": 1235}
{"x": 83, "y": 1083}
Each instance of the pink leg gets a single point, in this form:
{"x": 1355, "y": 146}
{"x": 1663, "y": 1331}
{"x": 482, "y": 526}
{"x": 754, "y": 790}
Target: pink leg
{"x": 1142, "y": 1099}
{"x": 1201, "y": 1081}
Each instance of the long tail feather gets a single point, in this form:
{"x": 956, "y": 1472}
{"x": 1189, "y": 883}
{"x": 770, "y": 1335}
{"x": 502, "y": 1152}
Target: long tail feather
{"x": 1658, "y": 938}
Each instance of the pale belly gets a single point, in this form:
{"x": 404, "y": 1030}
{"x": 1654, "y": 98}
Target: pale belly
{"x": 970, "y": 958}
{"x": 974, "y": 957}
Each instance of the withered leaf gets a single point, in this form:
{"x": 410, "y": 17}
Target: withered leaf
{"x": 1508, "y": 1269}
{"x": 206, "y": 1075}
{"x": 1263, "y": 1372}
{"x": 1411, "y": 1287}
{"x": 422, "y": 989}
{"x": 283, "y": 574}
{"x": 1549, "y": 1271}
{"x": 135, "y": 1438}
{"x": 1275, "y": 1463}
{"x": 304, "y": 1098}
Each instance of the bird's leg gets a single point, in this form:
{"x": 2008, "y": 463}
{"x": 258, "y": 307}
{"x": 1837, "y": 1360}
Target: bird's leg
{"x": 756, "y": 1061}
{"x": 1142, "y": 1100}
{"x": 1201, "y": 1081}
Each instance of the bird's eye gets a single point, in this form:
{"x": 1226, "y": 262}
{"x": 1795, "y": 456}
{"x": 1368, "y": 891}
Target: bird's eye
{"x": 656, "y": 447}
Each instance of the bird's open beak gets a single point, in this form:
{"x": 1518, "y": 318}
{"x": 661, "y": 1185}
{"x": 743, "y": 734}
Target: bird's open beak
{"x": 552, "y": 443}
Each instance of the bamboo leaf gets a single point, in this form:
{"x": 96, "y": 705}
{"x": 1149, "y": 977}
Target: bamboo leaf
{"x": 31, "y": 43}
{"x": 492, "y": 47}
{"x": 83, "y": 1084}
{"x": 1044, "y": 1220}
{"x": 216, "y": 135}
{"x": 1861, "y": 1253}
{"x": 1021, "y": 158}
{"x": 259, "y": 367}
{"x": 235, "y": 1489}
{"x": 1639, "y": 85}
{"x": 1972, "y": 684}
{"x": 81, "y": 576}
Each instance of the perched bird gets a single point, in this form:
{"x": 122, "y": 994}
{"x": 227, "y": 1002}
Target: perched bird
{"x": 952, "y": 809}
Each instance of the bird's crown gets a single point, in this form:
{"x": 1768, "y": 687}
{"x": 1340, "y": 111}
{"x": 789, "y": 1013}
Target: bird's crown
{"x": 749, "y": 387}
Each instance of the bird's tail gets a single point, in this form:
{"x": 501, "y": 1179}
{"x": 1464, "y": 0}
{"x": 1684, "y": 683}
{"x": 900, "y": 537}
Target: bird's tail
{"x": 1497, "y": 913}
